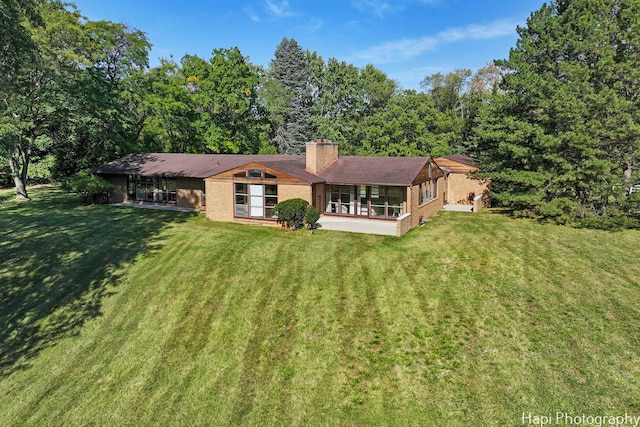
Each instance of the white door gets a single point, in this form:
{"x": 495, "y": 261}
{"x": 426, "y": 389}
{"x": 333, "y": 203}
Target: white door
{"x": 256, "y": 196}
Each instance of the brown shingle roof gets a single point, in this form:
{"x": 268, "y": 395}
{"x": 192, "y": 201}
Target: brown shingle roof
{"x": 202, "y": 165}
{"x": 401, "y": 171}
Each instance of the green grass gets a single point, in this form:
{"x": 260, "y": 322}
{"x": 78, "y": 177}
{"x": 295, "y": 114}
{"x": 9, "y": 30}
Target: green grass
{"x": 120, "y": 316}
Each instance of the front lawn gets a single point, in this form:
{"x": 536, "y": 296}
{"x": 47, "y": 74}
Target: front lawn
{"x": 123, "y": 316}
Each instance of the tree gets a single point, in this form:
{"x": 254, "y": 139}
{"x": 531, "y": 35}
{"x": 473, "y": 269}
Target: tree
{"x": 35, "y": 86}
{"x": 563, "y": 140}
{"x": 447, "y": 90}
{"x": 17, "y": 51}
{"x": 290, "y": 87}
{"x": 105, "y": 115}
{"x": 224, "y": 93}
{"x": 170, "y": 110}
{"x": 67, "y": 90}
{"x": 408, "y": 126}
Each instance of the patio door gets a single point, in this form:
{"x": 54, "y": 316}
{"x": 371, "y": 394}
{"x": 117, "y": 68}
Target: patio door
{"x": 256, "y": 193}
{"x": 363, "y": 200}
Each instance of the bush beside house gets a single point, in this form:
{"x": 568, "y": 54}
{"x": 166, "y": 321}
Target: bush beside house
{"x": 91, "y": 188}
{"x": 294, "y": 213}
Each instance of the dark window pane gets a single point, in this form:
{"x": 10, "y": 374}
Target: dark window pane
{"x": 241, "y": 188}
{"x": 242, "y": 174}
{"x": 269, "y": 176}
{"x": 255, "y": 173}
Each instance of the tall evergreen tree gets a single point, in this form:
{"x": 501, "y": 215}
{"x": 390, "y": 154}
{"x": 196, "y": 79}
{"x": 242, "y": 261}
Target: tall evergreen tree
{"x": 291, "y": 72}
{"x": 563, "y": 140}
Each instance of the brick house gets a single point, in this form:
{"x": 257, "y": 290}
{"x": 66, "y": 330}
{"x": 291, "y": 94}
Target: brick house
{"x": 245, "y": 188}
{"x": 460, "y": 187}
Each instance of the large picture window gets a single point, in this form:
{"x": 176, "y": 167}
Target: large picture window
{"x": 340, "y": 199}
{"x": 152, "y": 189}
{"x": 255, "y": 200}
{"x": 375, "y": 201}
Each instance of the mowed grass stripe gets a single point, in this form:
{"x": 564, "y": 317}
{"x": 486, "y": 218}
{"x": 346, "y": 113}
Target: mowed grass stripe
{"x": 472, "y": 319}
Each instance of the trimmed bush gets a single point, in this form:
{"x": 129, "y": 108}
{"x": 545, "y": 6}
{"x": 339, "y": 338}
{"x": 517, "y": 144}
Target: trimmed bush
{"x": 311, "y": 217}
{"x": 293, "y": 213}
{"x": 91, "y": 188}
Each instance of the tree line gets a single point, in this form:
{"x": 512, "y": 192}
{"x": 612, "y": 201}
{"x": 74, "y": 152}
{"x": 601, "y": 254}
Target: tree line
{"x": 556, "y": 125}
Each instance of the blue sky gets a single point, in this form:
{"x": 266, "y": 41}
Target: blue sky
{"x": 407, "y": 39}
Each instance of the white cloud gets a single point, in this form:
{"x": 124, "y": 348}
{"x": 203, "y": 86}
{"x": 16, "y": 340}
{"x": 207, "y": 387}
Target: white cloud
{"x": 278, "y": 9}
{"x": 400, "y": 50}
{"x": 252, "y": 14}
{"x": 378, "y": 8}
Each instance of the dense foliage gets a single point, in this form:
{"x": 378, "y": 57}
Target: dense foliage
{"x": 293, "y": 213}
{"x": 562, "y": 139}
{"x": 91, "y": 188}
{"x": 556, "y": 126}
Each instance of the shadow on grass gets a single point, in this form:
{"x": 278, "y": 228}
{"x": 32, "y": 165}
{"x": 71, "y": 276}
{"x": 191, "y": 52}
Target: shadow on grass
{"x": 58, "y": 261}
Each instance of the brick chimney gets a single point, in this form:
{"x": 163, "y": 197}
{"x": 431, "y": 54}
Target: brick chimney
{"x": 321, "y": 153}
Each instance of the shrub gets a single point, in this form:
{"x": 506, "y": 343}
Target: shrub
{"x": 293, "y": 213}
{"x": 92, "y": 189}
{"x": 608, "y": 223}
{"x": 311, "y": 217}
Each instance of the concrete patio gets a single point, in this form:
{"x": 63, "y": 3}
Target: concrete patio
{"x": 356, "y": 225}
{"x": 458, "y": 208}
{"x": 158, "y": 207}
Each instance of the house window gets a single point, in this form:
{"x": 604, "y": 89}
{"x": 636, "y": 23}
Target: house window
{"x": 131, "y": 187}
{"x": 241, "y": 204}
{"x": 203, "y": 194}
{"x": 395, "y": 197}
{"x": 254, "y": 174}
{"x": 375, "y": 201}
{"x": 255, "y": 200}
{"x": 152, "y": 189}
{"x": 428, "y": 191}
{"x": 340, "y": 199}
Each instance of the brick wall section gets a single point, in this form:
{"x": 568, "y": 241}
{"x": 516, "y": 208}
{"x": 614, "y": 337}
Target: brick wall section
{"x": 286, "y": 192}
{"x": 320, "y": 154}
{"x": 219, "y": 200}
{"x": 189, "y": 191}
{"x": 427, "y": 209}
{"x": 403, "y": 225}
{"x": 460, "y": 186}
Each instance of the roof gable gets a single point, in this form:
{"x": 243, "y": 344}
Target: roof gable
{"x": 284, "y": 172}
{"x": 458, "y": 163}
{"x": 393, "y": 171}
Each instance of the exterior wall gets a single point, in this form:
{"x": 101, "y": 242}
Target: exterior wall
{"x": 460, "y": 186}
{"x": 220, "y": 194}
{"x": 427, "y": 209}
{"x": 318, "y": 194}
{"x": 189, "y": 193}
{"x": 119, "y": 194}
{"x": 403, "y": 224}
{"x": 219, "y": 200}
{"x": 286, "y": 192}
